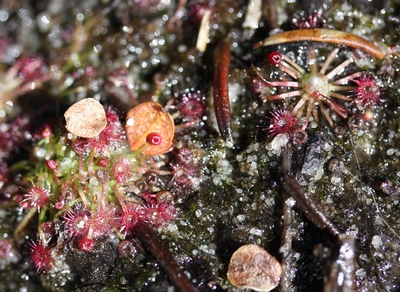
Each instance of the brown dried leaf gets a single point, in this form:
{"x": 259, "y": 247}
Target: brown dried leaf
{"x": 144, "y": 119}
{"x": 86, "y": 118}
{"x": 253, "y": 267}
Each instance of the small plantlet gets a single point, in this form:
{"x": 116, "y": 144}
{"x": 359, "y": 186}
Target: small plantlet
{"x": 36, "y": 197}
{"x": 282, "y": 122}
{"x": 77, "y": 223}
{"x": 192, "y": 107}
{"x": 41, "y": 257}
{"x": 185, "y": 167}
{"x": 121, "y": 169}
{"x": 367, "y": 92}
{"x": 128, "y": 220}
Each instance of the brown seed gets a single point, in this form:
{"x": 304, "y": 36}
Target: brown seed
{"x": 254, "y": 268}
{"x": 149, "y": 118}
{"x": 86, "y": 118}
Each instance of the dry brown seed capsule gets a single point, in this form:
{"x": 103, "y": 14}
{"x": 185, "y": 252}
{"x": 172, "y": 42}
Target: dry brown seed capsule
{"x": 146, "y": 119}
{"x": 254, "y": 268}
{"x": 86, "y": 118}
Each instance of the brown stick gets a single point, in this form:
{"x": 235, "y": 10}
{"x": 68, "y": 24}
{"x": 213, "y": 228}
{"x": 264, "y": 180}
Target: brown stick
{"x": 308, "y": 206}
{"x": 153, "y": 244}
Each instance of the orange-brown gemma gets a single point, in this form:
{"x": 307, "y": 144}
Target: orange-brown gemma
{"x": 147, "y": 118}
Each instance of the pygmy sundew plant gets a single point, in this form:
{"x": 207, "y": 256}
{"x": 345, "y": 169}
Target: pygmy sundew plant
{"x": 192, "y": 107}
{"x": 41, "y": 256}
{"x": 282, "y": 122}
{"x": 318, "y": 88}
{"x": 83, "y": 188}
{"x": 36, "y": 197}
{"x": 368, "y": 91}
